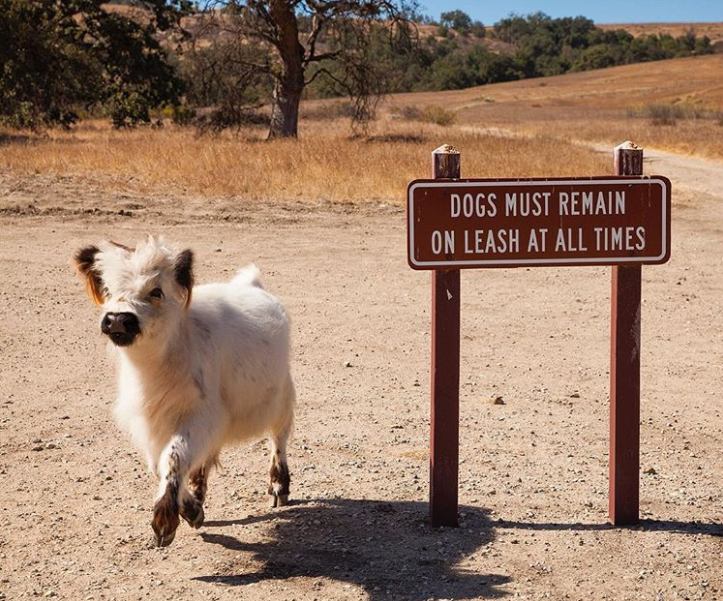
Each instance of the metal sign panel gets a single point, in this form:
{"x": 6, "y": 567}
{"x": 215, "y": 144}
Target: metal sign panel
{"x": 617, "y": 220}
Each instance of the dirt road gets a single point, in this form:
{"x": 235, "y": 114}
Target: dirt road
{"x": 76, "y": 498}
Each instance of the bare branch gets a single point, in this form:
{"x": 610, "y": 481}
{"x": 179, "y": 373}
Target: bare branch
{"x": 318, "y": 23}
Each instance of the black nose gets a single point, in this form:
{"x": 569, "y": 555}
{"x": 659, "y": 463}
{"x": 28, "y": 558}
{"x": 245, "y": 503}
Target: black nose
{"x": 121, "y": 327}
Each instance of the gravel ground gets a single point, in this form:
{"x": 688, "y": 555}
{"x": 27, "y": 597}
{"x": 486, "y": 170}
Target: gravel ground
{"x": 76, "y": 499}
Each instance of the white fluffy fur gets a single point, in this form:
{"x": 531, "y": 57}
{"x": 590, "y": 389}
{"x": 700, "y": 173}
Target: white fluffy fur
{"x": 198, "y": 377}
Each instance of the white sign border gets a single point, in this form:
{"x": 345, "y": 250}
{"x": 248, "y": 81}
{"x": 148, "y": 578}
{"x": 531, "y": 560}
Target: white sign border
{"x": 544, "y": 262}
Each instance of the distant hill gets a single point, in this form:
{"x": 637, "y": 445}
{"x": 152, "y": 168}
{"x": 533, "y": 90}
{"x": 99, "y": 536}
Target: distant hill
{"x": 694, "y": 81}
{"x": 713, "y": 30}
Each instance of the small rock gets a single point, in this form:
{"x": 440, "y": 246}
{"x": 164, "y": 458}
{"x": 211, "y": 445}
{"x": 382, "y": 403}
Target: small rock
{"x": 496, "y": 400}
{"x": 347, "y": 364}
{"x": 649, "y": 470}
{"x": 38, "y": 447}
{"x": 50, "y": 445}
{"x": 575, "y": 395}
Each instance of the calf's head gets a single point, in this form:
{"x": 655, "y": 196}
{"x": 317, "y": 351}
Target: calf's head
{"x": 143, "y": 291}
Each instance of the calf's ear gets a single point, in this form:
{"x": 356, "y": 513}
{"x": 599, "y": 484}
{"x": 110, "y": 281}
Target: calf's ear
{"x": 183, "y": 271}
{"x": 84, "y": 260}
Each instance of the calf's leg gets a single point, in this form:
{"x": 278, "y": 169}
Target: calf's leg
{"x": 198, "y": 482}
{"x": 185, "y": 449}
{"x": 279, "y": 479}
{"x": 192, "y": 510}
{"x": 165, "y": 511}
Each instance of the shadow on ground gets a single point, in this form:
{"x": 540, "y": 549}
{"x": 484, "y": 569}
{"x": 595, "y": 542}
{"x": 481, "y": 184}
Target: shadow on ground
{"x": 386, "y": 548}
{"x": 645, "y": 525}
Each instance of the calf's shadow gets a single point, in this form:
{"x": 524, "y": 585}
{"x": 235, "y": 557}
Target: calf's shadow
{"x": 388, "y": 549}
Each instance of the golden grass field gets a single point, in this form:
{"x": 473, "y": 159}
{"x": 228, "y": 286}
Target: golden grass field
{"x": 554, "y": 120}
{"x": 325, "y": 164}
{"x": 594, "y": 106}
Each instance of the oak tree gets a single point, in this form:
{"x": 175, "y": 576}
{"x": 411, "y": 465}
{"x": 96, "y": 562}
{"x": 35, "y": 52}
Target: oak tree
{"x": 295, "y": 42}
{"x": 57, "y": 58}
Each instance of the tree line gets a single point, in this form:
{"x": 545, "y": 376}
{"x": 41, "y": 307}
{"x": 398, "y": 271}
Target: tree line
{"x": 539, "y": 46}
{"x": 60, "y": 61}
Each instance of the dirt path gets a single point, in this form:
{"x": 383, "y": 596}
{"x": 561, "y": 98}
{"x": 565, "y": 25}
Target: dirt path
{"x": 690, "y": 173}
{"x": 76, "y": 499}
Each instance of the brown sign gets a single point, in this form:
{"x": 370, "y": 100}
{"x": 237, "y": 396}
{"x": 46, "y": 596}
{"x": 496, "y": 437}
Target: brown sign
{"x": 618, "y": 220}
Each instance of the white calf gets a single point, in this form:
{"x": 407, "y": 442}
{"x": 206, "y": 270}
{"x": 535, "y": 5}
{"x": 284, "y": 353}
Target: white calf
{"x": 199, "y": 368}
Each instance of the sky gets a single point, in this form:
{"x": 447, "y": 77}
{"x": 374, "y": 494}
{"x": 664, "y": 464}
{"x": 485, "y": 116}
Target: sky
{"x": 602, "y": 11}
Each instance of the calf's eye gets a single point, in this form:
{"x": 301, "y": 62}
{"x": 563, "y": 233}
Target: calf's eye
{"x": 156, "y": 293}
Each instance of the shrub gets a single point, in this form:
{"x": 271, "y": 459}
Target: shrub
{"x": 669, "y": 114}
{"x": 183, "y": 115}
{"x": 429, "y": 114}
{"x": 664, "y": 114}
{"x": 456, "y": 19}
{"x": 408, "y": 113}
{"x": 60, "y": 58}
{"x": 438, "y": 115}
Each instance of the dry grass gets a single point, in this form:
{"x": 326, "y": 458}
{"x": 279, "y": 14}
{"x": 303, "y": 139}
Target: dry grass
{"x": 693, "y": 80}
{"x": 328, "y": 165}
{"x": 691, "y": 137}
{"x": 594, "y": 106}
{"x": 325, "y": 164}
{"x": 713, "y": 30}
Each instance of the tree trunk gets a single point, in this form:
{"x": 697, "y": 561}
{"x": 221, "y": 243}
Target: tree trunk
{"x": 290, "y": 81}
{"x": 285, "y": 108}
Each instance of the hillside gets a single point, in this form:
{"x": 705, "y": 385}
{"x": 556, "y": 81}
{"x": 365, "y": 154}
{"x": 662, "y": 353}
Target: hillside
{"x": 694, "y": 80}
{"x": 713, "y": 30}
{"x": 604, "y": 106}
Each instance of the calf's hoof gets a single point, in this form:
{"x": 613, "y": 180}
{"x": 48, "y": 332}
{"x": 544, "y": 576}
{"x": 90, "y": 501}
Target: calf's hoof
{"x": 193, "y": 514}
{"x": 165, "y": 523}
{"x": 279, "y": 500}
{"x": 163, "y": 540}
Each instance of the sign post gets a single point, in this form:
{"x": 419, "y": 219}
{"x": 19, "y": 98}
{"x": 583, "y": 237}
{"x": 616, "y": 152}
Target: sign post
{"x": 624, "y": 496}
{"x": 444, "y": 418}
{"x": 621, "y": 220}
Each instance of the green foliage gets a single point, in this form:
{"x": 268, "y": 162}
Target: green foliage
{"x": 549, "y": 46}
{"x": 42, "y": 75}
{"x": 543, "y": 46}
{"x": 456, "y": 19}
{"x": 60, "y": 58}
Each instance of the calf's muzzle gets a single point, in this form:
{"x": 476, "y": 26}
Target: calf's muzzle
{"x": 121, "y": 328}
